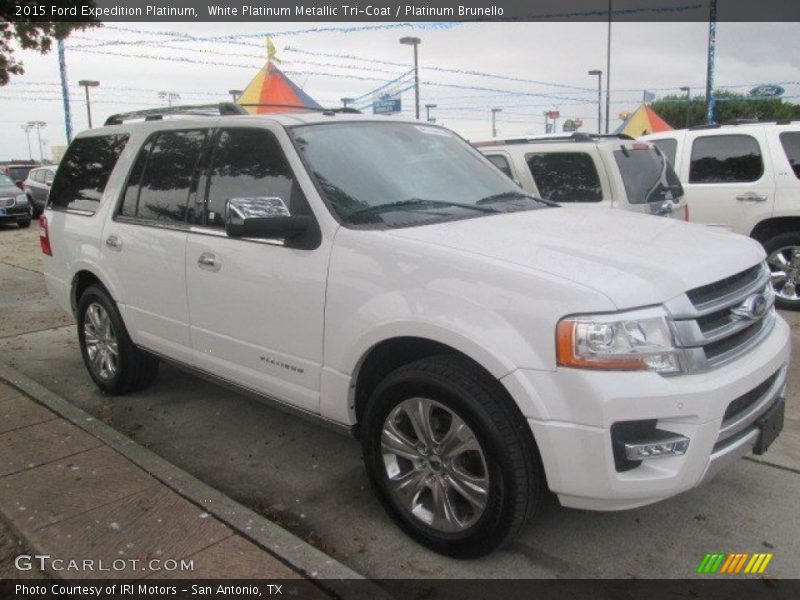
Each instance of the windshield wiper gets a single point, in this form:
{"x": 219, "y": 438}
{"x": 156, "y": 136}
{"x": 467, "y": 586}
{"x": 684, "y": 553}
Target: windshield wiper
{"x": 416, "y": 203}
{"x": 513, "y": 194}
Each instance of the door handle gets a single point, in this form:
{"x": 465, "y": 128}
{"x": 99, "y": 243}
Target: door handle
{"x": 114, "y": 242}
{"x": 752, "y": 197}
{"x": 208, "y": 262}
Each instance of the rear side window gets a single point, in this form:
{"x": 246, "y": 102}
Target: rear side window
{"x": 647, "y": 175}
{"x": 162, "y": 176}
{"x": 500, "y": 161}
{"x": 565, "y": 176}
{"x": 249, "y": 163}
{"x": 791, "y": 145}
{"x": 48, "y": 177}
{"x": 726, "y": 159}
{"x": 669, "y": 146}
{"x": 38, "y": 175}
{"x": 84, "y": 171}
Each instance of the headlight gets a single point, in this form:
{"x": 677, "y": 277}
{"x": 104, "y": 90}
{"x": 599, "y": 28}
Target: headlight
{"x": 21, "y": 199}
{"x": 636, "y": 341}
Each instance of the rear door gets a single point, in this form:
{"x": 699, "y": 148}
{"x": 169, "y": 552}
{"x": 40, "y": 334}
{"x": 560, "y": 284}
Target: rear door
{"x": 256, "y": 306}
{"x": 785, "y": 151}
{"x": 144, "y": 246}
{"x": 728, "y": 178}
{"x": 569, "y": 174}
{"x": 647, "y": 181}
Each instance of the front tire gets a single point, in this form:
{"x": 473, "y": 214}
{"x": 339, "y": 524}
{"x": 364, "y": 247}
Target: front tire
{"x": 114, "y": 362}
{"x": 451, "y": 459}
{"x": 24, "y": 223}
{"x": 783, "y": 258}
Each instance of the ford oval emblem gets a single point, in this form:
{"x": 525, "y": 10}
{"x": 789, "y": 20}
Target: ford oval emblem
{"x": 753, "y": 307}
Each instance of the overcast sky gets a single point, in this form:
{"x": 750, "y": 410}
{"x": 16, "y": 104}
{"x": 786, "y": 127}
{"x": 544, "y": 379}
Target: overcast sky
{"x": 656, "y": 56}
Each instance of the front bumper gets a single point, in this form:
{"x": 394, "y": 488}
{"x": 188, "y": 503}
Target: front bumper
{"x": 14, "y": 213}
{"x": 578, "y": 407}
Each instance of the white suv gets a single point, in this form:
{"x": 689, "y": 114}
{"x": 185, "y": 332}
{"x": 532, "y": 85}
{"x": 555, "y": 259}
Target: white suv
{"x": 382, "y": 275}
{"x": 605, "y": 171}
{"x": 746, "y": 177}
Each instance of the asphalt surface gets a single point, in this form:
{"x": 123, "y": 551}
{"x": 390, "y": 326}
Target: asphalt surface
{"x": 312, "y": 481}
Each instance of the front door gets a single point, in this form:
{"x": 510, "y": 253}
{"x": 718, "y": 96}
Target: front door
{"x": 256, "y": 306}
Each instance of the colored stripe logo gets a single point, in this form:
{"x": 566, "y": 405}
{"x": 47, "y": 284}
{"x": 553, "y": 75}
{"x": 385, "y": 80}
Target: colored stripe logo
{"x": 738, "y": 562}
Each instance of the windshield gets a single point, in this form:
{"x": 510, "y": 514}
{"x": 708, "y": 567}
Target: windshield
{"x": 647, "y": 175}
{"x": 404, "y": 174}
{"x": 19, "y": 173}
{"x": 6, "y": 181}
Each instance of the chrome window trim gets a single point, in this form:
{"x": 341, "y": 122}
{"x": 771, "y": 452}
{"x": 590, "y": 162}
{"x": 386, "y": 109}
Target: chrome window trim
{"x": 187, "y": 228}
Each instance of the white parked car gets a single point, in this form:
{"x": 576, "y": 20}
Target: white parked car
{"x": 605, "y": 171}
{"x": 382, "y": 275}
{"x": 746, "y": 178}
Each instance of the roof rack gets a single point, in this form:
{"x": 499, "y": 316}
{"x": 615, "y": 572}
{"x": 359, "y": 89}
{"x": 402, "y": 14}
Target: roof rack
{"x": 574, "y": 137}
{"x": 324, "y": 111}
{"x": 194, "y": 110}
{"x": 788, "y": 121}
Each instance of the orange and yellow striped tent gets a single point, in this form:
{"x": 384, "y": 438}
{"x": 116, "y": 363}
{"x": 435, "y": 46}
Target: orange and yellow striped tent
{"x": 642, "y": 121}
{"x": 274, "y": 92}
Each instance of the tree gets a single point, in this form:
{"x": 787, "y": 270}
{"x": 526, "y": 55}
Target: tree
{"x": 30, "y": 33}
{"x": 729, "y": 107}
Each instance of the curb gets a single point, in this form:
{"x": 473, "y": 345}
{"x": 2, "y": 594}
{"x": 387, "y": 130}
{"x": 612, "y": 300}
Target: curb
{"x": 296, "y": 553}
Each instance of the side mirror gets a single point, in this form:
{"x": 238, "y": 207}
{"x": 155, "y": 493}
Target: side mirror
{"x": 262, "y": 217}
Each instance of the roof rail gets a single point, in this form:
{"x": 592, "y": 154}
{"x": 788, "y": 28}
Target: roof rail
{"x": 195, "y": 110}
{"x": 578, "y": 136}
{"x": 783, "y": 121}
{"x": 331, "y": 111}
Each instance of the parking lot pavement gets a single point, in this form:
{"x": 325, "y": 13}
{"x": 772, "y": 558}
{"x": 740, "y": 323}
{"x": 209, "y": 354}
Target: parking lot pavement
{"x": 312, "y": 480}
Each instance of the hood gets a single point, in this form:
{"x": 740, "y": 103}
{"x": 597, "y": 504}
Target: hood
{"x": 635, "y": 260}
{"x": 9, "y": 190}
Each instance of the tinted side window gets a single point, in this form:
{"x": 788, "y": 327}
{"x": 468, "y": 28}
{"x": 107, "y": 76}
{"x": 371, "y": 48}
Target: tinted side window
{"x": 161, "y": 179}
{"x": 565, "y": 176}
{"x": 84, "y": 172}
{"x": 725, "y": 159}
{"x": 48, "y": 177}
{"x": 249, "y": 163}
{"x": 501, "y": 163}
{"x": 669, "y": 146}
{"x": 38, "y": 175}
{"x": 791, "y": 145}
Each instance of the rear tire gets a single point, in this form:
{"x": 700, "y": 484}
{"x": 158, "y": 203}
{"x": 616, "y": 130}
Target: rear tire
{"x": 783, "y": 258}
{"x": 471, "y": 492}
{"x": 114, "y": 362}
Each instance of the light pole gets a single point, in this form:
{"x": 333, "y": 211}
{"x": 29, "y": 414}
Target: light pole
{"x": 608, "y": 67}
{"x": 688, "y": 91}
{"x": 169, "y": 97}
{"x": 235, "y": 94}
{"x": 428, "y": 108}
{"x": 86, "y": 84}
{"x": 546, "y": 121}
{"x": 27, "y": 128}
{"x": 414, "y": 41}
{"x": 38, "y": 126}
{"x": 599, "y": 74}
{"x": 494, "y": 120}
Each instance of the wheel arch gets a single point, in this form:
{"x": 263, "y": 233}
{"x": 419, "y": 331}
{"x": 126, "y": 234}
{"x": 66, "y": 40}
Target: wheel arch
{"x": 773, "y": 226}
{"x": 83, "y": 278}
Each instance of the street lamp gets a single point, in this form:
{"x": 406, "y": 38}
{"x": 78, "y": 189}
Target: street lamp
{"x": 599, "y": 74}
{"x": 688, "y": 91}
{"x": 428, "y": 108}
{"x": 235, "y": 94}
{"x": 87, "y": 83}
{"x": 414, "y": 41}
{"x": 38, "y": 126}
{"x": 169, "y": 97}
{"x": 27, "y": 128}
{"x": 494, "y": 120}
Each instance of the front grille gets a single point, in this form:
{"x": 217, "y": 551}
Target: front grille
{"x": 6, "y": 202}
{"x": 708, "y": 329}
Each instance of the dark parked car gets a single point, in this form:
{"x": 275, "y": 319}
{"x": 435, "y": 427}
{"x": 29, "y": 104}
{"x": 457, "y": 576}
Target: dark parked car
{"x": 17, "y": 172}
{"x": 37, "y": 188}
{"x": 14, "y": 205}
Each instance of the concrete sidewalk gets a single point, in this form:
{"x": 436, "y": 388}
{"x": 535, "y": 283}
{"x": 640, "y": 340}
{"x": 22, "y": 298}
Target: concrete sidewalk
{"x": 73, "y": 497}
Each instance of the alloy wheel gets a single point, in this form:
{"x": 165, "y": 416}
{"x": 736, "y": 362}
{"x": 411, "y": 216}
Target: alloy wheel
{"x": 100, "y": 341}
{"x": 784, "y": 264}
{"x": 434, "y": 464}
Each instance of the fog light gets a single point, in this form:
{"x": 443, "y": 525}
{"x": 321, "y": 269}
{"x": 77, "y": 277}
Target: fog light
{"x": 671, "y": 446}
